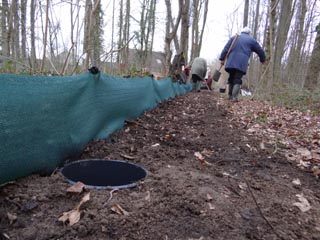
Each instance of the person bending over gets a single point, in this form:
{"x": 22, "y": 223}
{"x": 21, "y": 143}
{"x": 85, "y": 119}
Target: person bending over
{"x": 198, "y": 72}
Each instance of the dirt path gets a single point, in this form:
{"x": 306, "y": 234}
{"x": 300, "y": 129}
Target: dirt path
{"x": 207, "y": 179}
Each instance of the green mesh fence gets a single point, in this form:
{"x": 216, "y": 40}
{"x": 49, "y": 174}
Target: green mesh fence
{"x": 46, "y": 120}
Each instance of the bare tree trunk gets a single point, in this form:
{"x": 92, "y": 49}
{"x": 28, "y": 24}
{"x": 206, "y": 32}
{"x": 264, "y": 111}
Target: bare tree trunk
{"x": 112, "y": 35}
{"x": 5, "y": 28}
{"x": 74, "y": 23}
{"x": 151, "y": 28}
{"x": 270, "y": 44}
{"x": 246, "y": 13}
{"x": 281, "y": 37}
{"x": 256, "y": 19}
{"x": 16, "y": 30}
{"x": 97, "y": 33}
{"x": 88, "y": 9}
{"x": 170, "y": 34}
{"x": 91, "y": 14}
{"x": 45, "y": 37}
{"x": 121, "y": 32}
{"x": 313, "y": 75}
{"x": 195, "y": 28}
{"x": 175, "y": 38}
{"x": 307, "y": 45}
{"x": 196, "y": 35}
{"x": 32, "y": 34}
{"x": 184, "y": 5}
{"x": 204, "y": 21}
{"x": 126, "y": 34}
{"x": 142, "y": 29}
{"x": 23, "y": 28}
{"x": 253, "y": 75}
{"x": 295, "y": 64}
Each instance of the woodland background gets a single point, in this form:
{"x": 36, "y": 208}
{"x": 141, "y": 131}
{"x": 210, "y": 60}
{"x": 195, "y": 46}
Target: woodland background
{"x": 34, "y": 41}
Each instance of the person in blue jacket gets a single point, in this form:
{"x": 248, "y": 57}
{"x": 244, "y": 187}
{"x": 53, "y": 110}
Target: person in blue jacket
{"x": 238, "y": 59}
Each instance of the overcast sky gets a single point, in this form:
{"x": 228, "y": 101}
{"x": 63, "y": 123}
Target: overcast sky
{"x": 217, "y": 29}
{"x": 224, "y": 19}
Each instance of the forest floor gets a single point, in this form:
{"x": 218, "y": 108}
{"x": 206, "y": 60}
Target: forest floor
{"x": 216, "y": 170}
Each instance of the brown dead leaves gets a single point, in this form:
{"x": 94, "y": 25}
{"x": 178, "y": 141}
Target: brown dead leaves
{"x": 73, "y": 216}
{"x": 294, "y": 133}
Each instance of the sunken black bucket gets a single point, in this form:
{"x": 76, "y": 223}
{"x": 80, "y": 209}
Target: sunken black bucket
{"x": 222, "y": 90}
{"x": 104, "y": 174}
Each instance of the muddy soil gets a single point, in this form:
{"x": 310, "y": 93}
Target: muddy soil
{"x": 207, "y": 179}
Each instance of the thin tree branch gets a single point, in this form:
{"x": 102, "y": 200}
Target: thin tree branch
{"x": 260, "y": 211}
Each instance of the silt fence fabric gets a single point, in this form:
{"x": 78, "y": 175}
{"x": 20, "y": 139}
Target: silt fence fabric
{"x": 45, "y": 120}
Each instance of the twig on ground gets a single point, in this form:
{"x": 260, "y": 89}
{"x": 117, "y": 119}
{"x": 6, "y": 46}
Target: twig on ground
{"x": 232, "y": 189}
{"x": 260, "y": 211}
{"x": 5, "y": 235}
{"x": 110, "y": 197}
{"x": 14, "y": 202}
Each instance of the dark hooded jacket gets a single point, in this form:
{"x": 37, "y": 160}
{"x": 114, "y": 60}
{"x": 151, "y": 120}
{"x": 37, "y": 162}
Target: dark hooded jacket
{"x": 240, "y": 53}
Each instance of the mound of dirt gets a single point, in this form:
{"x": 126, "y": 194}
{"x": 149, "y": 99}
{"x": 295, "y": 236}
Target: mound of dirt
{"x": 207, "y": 179}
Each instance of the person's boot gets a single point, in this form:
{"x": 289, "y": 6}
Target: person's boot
{"x": 198, "y": 86}
{"x": 235, "y": 92}
{"x": 230, "y": 91}
{"x": 194, "y": 86}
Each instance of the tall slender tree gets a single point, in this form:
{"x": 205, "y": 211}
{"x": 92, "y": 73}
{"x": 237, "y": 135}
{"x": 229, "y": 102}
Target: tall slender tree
{"x": 33, "y": 58}
{"x": 171, "y": 30}
{"x": 45, "y": 35}
{"x": 24, "y": 28}
{"x": 281, "y": 37}
{"x": 184, "y": 7}
{"x": 313, "y": 75}
{"x": 246, "y": 13}
{"x": 200, "y": 11}
{"x": 5, "y": 37}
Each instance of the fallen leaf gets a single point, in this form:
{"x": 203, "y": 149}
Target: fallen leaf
{"x": 315, "y": 155}
{"x": 209, "y": 197}
{"x": 303, "y": 205}
{"x": 316, "y": 171}
{"x": 155, "y": 145}
{"x": 78, "y": 187}
{"x": 211, "y": 207}
{"x": 304, "y": 152}
{"x": 119, "y": 210}
{"x": 303, "y": 164}
{"x": 201, "y": 238}
{"x": 296, "y": 182}
{"x": 207, "y": 153}
{"x": 249, "y": 146}
{"x": 147, "y": 197}
{"x": 85, "y": 198}
{"x": 226, "y": 174}
{"x": 6, "y": 235}
{"x": 73, "y": 216}
{"x": 200, "y": 157}
{"x": 242, "y": 186}
{"x": 12, "y": 217}
{"x": 127, "y": 156}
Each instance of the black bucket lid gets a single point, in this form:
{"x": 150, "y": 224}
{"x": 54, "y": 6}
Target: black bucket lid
{"x": 104, "y": 174}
